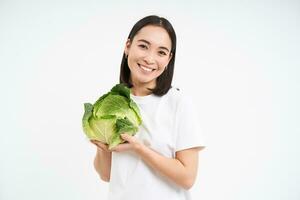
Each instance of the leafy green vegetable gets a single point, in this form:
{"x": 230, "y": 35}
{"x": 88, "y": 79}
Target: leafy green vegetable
{"x": 112, "y": 114}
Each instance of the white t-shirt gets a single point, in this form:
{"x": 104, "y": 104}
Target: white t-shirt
{"x": 169, "y": 125}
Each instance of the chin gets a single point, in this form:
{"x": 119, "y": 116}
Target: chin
{"x": 145, "y": 80}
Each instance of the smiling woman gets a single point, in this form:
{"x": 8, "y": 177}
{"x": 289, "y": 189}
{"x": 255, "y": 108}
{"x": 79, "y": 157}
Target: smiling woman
{"x": 161, "y": 160}
{"x": 148, "y": 55}
{"x": 152, "y": 42}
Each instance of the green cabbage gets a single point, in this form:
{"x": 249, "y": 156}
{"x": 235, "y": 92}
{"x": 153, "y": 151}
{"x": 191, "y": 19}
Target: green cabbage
{"x": 112, "y": 114}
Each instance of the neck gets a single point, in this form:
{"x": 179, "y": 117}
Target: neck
{"x": 141, "y": 89}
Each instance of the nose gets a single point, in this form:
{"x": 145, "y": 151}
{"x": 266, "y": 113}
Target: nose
{"x": 149, "y": 58}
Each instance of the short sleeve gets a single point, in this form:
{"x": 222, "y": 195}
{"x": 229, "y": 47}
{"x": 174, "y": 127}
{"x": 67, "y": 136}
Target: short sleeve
{"x": 188, "y": 126}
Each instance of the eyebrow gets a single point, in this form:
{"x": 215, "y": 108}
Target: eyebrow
{"x": 161, "y": 47}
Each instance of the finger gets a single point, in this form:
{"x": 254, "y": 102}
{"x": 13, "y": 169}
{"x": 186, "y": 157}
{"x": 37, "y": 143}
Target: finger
{"x": 101, "y": 145}
{"x": 126, "y": 137}
{"x": 121, "y": 147}
{"x": 92, "y": 141}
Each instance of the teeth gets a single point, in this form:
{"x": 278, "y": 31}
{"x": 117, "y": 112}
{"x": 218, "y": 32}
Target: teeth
{"x": 146, "y": 69}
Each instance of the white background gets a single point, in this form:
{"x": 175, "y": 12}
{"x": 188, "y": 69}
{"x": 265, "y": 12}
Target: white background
{"x": 240, "y": 61}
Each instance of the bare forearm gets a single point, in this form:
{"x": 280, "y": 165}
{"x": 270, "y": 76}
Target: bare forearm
{"x": 102, "y": 164}
{"x": 171, "y": 168}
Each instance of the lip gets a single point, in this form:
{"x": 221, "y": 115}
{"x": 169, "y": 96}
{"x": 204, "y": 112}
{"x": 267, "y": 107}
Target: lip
{"x": 144, "y": 66}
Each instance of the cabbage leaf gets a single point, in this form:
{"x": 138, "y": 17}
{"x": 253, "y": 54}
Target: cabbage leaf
{"x": 112, "y": 114}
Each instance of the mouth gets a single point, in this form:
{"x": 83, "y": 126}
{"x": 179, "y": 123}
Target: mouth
{"x": 146, "y": 69}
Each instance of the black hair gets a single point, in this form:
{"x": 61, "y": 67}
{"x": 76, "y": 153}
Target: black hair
{"x": 164, "y": 81}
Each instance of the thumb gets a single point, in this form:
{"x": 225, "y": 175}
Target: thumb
{"x": 126, "y": 137}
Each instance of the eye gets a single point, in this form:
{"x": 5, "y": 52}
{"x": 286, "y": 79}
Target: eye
{"x": 162, "y": 53}
{"x": 142, "y": 46}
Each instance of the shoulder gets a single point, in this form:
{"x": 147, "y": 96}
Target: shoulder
{"x": 178, "y": 97}
{"x": 173, "y": 96}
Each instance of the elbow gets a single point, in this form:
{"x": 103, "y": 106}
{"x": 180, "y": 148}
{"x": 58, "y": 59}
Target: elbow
{"x": 105, "y": 178}
{"x": 188, "y": 183}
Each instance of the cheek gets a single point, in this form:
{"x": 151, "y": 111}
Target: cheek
{"x": 163, "y": 63}
{"x": 132, "y": 58}
{"x": 136, "y": 54}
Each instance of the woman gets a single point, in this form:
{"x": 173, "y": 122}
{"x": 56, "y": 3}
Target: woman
{"x": 160, "y": 161}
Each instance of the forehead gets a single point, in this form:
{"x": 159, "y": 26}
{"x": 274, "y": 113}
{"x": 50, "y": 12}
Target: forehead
{"x": 155, "y": 35}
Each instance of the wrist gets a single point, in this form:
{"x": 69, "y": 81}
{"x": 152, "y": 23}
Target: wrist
{"x": 139, "y": 147}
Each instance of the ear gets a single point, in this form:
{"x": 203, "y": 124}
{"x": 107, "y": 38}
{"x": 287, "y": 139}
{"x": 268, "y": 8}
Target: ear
{"x": 127, "y": 46}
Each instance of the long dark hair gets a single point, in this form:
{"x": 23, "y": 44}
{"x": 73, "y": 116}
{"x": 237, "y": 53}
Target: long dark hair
{"x": 164, "y": 81}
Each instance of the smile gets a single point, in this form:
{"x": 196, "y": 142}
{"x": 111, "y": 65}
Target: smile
{"x": 146, "y": 68}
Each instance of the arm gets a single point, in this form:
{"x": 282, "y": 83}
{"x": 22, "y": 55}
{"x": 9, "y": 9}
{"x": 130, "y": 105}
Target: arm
{"x": 102, "y": 161}
{"x": 182, "y": 169}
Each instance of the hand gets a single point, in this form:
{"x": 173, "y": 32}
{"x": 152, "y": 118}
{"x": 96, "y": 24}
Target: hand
{"x": 131, "y": 143}
{"x": 101, "y": 146}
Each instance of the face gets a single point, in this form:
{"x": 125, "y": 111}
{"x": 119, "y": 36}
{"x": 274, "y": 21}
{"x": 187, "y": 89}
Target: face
{"x": 148, "y": 55}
